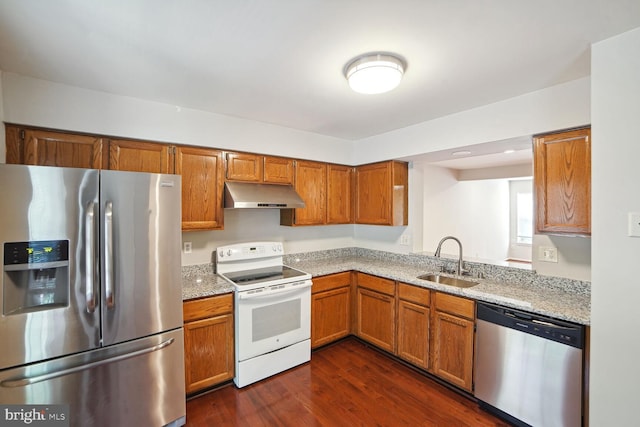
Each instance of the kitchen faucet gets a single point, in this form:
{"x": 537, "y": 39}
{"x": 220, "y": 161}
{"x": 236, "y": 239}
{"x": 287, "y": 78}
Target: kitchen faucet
{"x": 460, "y": 264}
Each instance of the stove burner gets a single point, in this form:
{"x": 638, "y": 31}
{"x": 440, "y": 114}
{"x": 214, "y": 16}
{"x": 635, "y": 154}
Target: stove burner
{"x": 266, "y": 275}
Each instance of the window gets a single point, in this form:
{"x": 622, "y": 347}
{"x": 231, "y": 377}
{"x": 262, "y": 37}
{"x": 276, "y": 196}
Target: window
{"x": 524, "y": 218}
{"x": 520, "y": 219}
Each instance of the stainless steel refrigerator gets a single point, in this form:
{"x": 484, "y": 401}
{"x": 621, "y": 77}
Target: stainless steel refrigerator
{"x": 91, "y": 294}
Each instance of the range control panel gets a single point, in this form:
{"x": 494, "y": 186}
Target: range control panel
{"x": 245, "y": 251}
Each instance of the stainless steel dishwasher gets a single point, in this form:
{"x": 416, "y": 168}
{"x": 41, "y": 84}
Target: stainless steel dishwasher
{"x": 528, "y": 368}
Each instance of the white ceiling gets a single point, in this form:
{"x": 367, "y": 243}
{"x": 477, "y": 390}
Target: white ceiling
{"x": 487, "y": 155}
{"x": 281, "y": 61}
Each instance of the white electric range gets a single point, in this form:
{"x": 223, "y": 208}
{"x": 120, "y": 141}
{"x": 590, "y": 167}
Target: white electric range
{"x": 272, "y": 309}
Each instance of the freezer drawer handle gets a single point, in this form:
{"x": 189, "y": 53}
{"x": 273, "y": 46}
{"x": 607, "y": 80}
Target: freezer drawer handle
{"x": 90, "y": 249}
{"x": 25, "y": 381}
{"x": 108, "y": 259}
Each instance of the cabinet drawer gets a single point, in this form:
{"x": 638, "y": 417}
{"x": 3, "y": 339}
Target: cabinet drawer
{"x": 207, "y": 307}
{"x": 379, "y": 284}
{"x": 455, "y": 305}
{"x": 332, "y": 281}
{"x": 414, "y": 294}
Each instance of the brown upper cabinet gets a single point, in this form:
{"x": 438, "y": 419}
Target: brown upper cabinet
{"x": 48, "y": 148}
{"x": 243, "y": 167}
{"x": 310, "y": 181}
{"x": 256, "y": 168}
{"x": 562, "y": 177}
{"x": 140, "y": 156}
{"x": 327, "y": 193}
{"x": 202, "y": 185}
{"x": 382, "y": 193}
{"x": 340, "y": 194}
{"x": 333, "y": 194}
{"x": 278, "y": 170}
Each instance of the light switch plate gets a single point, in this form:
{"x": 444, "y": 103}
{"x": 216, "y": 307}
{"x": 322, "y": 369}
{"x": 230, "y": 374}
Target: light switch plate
{"x": 405, "y": 239}
{"x": 634, "y": 224}
{"x": 548, "y": 254}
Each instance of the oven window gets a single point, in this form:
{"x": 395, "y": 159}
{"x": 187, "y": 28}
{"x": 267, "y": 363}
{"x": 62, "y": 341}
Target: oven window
{"x": 275, "y": 319}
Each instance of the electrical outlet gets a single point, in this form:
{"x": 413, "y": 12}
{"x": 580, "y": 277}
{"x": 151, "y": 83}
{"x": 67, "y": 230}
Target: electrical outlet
{"x": 634, "y": 224}
{"x": 186, "y": 247}
{"x": 405, "y": 240}
{"x": 548, "y": 254}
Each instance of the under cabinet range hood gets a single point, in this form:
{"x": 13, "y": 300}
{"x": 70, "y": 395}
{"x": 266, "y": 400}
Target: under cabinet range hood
{"x": 244, "y": 195}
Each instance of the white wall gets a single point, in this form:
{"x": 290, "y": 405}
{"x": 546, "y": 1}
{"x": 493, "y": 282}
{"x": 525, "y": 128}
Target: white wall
{"x": 558, "y": 107}
{"x": 553, "y": 108}
{"x": 615, "y": 292}
{"x": 41, "y": 103}
{"x": 3, "y": 146}
{"x": 246, "y": 225}
{"x": 476, "y": 212}
{"x": 574, "y": 256}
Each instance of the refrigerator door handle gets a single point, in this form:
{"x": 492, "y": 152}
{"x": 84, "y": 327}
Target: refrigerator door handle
{"x": 90, "y": 256}
{"x": 25, "y": 381}
{"x": 108, "y": 255}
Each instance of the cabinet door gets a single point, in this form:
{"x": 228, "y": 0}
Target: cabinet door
{"x": 44, "y": 148}
{"x": 14, "y": 144}
{"x": 208, "y": 352}
{"x": 382, "y": 191}
{"x": 376, "y": 318}
{"x": 339, "y": 194}
{"x": 413, "y": 333}
{"x": 278, "y": 170}
{"x": 373, "y": 204}
{"x": 243, "y": 167}
{"x": 311, "y": 184}
{"x": 140, "y": 156}
{"x": 452, "y": 344}
{"x": 562, "y": 177}
{"x": 330, "y": 316}
{"x": 202, "y": 186}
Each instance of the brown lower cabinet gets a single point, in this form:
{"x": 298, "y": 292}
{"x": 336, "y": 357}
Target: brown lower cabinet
{"x": 376, "y": 311}
{"x": 330, "y": 308}
{"x": 452, "y": 339}
{"x": 429, "y": 329}
{"x": 208, "y": 342}
{"x": 414, "y": 324}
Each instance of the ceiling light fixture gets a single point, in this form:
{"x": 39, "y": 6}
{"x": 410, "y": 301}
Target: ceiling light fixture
{"x": 374, "y": 73}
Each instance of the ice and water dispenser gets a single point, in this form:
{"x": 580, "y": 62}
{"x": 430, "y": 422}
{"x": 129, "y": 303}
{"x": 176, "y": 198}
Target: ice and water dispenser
{"x": 35, "y": 276}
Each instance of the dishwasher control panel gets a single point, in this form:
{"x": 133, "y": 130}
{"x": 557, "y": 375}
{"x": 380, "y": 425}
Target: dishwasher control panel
{"x": 556, "y": 330}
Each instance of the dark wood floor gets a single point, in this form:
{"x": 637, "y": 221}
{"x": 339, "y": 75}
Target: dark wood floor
{"x": 346, "y": 384}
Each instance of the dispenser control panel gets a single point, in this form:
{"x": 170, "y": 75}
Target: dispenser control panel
{"x": 17, "y": 253}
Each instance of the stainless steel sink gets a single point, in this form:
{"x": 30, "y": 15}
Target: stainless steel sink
{"x": 446, "y": 280}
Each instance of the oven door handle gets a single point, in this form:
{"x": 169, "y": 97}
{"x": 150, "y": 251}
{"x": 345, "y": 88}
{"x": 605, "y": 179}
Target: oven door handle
{"x": 266, "y": 294}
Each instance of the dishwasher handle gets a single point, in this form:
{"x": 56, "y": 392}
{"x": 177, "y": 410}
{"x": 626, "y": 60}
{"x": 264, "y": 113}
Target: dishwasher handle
{"x": 560, "y": 331}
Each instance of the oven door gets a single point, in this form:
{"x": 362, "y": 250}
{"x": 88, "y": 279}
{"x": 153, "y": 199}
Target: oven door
{"x": 271, "y": 318}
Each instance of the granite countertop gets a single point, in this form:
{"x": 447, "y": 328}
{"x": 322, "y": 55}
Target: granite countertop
{"x": 559, "y": 298}
{"x": 200, "y": 281}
